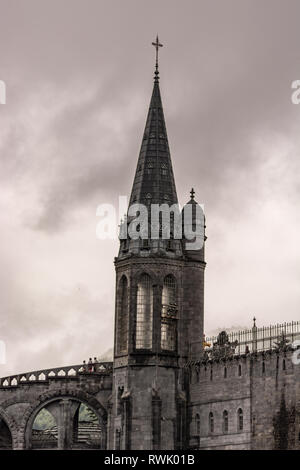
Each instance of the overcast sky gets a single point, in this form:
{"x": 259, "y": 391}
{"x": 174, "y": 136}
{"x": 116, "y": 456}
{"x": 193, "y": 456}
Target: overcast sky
{"x": 79, "y": 80}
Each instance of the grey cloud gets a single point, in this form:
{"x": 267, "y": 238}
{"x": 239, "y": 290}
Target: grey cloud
{"x": 79, "y": 81}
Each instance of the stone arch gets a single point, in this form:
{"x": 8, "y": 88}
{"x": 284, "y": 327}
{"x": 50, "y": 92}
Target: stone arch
{"x": 146, "y": 269}
{"x": 171, "y": 275}
{"x": 12, "y": 427}
{"x": 55, "y": 395}
{"x": 121, "y": 277}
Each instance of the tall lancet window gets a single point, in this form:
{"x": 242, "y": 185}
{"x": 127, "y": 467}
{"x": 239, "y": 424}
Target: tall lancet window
{"x": 225, "y": 421}
{"x": 144, "y": 313}
{"x": 169, "y": 314}
{"x": 122, "y": 338}
{"x": 240, "y": 420}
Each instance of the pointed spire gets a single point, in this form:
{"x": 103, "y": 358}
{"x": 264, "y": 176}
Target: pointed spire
{"x": 154, "y": 180}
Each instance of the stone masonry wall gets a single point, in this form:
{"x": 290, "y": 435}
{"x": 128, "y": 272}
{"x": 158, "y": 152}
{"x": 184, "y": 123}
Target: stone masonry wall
{"x": 275, "y": 402}
{"x": 264, "y": 385}
{"x": 211, "y": 392}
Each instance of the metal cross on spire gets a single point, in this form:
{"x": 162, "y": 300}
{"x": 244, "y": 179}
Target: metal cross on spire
{"x": 157, "y": 45}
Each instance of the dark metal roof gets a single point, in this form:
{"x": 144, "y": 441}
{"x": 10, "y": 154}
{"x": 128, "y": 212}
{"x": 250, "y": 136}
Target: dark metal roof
{"x": 154, "y": 180}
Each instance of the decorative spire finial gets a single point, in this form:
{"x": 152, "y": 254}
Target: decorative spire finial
{"x": 192, "y": 192}
{"x": 157, "y": 45}
{"x": 254, "y": 320}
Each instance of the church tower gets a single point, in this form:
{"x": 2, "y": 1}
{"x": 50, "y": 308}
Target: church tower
{"x": 159, "y": 306}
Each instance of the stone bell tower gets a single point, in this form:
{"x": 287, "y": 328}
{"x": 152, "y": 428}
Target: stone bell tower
{"x": 158, "y": 311}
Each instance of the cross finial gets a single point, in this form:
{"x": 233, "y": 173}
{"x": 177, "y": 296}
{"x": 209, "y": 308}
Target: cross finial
{"x": 192, "y": 192}
{"x": 157, "y": 45}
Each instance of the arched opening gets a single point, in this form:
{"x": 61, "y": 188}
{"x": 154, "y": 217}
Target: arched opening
{"x": 225, "y": 421}
{"x": 44, "y": 431}
{"x": 87, "y": 431}
{"x": 66, "y": 423}
{"x": 5, "y": 435}
{"x": 240, "y": 419}
{"x": 169, "y": 314}
{"x": 144, "y": 313}
{"x": 122, "y": 329}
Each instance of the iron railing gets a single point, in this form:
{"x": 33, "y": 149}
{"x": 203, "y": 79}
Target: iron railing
{"x": 254, "y": 339}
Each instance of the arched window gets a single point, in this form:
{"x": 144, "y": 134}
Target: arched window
{"x": 144, "y": 313}
{"x": 122, "y": 338}
{"x": 197, "y": 424}
{"x": 225, "y": 421}
{"x": 240, "y": 370}
{"x": 240, "y": 419}
{"x": 263, "y": 367}
{"x": 225, "y": 372}
{"x": 283, "y": 364}
{"x": 211, "y": 422}
{"x": 169, "y": 314}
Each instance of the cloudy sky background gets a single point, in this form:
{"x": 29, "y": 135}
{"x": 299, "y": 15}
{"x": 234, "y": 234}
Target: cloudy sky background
{"x": 79, "y": 80}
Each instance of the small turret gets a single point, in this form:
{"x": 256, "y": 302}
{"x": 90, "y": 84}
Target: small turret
{"x": 193, "y": 229}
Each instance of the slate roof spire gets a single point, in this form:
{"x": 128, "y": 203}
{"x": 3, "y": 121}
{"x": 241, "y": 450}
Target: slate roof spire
{"x": 154, "y": 179}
